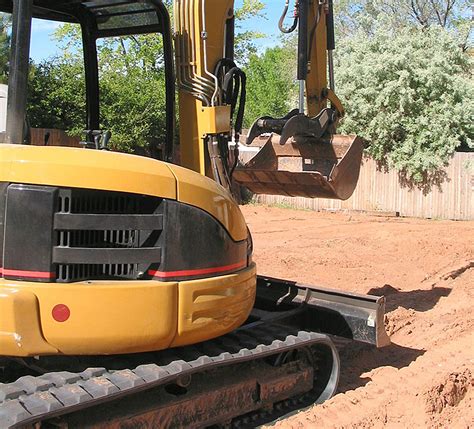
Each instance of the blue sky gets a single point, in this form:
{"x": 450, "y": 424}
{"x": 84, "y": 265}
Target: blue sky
{"x": 41, "y": 44}
{"x": 43, "y": 47}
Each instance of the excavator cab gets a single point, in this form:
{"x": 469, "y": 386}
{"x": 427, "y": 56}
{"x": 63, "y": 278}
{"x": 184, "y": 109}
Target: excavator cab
{"x": 301, "y": 155}
{"x": 98, "y": 19}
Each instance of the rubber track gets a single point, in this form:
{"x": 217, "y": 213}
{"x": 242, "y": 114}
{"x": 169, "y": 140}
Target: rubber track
{"x": 31, "y": 399}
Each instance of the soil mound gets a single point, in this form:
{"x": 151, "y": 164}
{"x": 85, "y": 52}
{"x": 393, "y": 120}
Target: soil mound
{"x": 450, "y": 392}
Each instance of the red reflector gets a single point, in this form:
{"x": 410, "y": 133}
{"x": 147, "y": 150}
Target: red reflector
{"x": 61, "y": 313}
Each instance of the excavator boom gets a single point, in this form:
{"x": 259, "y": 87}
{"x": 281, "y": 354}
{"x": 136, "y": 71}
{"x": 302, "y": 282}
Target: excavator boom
{"x": 301, "y": 154}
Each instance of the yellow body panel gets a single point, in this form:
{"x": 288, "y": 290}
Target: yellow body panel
{"x": 85, "y": 168}
{"x": 207, "y": 307}
{"x": 215, "y": 120}
{"x": 193, "y": 154}
{"x": 110, "y": 317}
{"x": 191, "y": 149}
{"x": 316, "y": 82}
{"x": 106, "y": 317}
{"x": 215, "y": 200}
{"x": 93, "y": 169}
{"x": 20, "y": 330}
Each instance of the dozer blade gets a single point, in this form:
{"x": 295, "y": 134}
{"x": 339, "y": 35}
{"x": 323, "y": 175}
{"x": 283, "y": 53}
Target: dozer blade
{"x": 304, "y": 167}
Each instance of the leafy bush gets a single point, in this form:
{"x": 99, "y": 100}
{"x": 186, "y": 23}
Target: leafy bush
{"x": 410, "y": 94}
{"x": 132, "y": 90}
{"x": 270, "y": 84}
{"x": 56, "y": 97}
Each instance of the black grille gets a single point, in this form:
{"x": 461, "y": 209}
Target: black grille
{"x": 75, "y": 272}
{"x": 106, "y": 235}
{"x": 85, "y": 201}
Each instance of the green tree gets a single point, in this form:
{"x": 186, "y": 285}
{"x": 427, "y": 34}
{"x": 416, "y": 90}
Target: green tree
{"x": 271, "y": 84}
{"x": 56, "y": 96}
{"x": 5, "y": 21}
{"x": 366, "y": 15}
{"x": 409, "y": 93}
{"x": 445, "y": 13}
{"x": 132, "y": 89}
{"x": 245, "y": 39}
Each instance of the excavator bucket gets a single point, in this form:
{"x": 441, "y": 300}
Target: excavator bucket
{"x": 304, "y": 167}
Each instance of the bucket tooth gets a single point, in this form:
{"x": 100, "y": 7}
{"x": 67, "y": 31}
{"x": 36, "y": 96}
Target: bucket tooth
{"x": 305, "y": 167}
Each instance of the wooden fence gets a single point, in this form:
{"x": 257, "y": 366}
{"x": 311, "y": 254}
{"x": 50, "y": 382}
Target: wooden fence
{"x": 377, "y": 190}
{"x": 56, "y": 137}
{"x": 382, "y": 191}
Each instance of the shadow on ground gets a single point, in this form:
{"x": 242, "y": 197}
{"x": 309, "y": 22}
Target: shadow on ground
{"x": 357, "y": 359}
{"x": 418, "y": 300}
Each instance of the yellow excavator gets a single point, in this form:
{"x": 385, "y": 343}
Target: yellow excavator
{"x": 128, "y": 294}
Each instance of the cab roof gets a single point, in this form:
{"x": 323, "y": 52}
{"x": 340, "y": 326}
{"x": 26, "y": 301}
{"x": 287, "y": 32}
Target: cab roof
{"x": 107, "y": 16}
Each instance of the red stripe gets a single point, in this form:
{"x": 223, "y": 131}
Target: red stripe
{"x": 198, "y": 272}
{"x": 32, "y": 274}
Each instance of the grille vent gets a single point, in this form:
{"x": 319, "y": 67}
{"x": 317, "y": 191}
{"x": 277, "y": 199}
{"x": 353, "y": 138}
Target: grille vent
{"x": 93, "y": 226}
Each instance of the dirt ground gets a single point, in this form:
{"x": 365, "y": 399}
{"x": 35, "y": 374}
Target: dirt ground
{"x": 425, "y": 268}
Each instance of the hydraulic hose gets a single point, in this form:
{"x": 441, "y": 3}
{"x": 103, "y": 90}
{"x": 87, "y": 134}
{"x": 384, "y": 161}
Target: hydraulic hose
{"x": 331, "y": 39}
{"x": 312, "y": 36}
{"x": 233, "y": 82}
{"x": 281, "y": 25}
{"x": 236, "y": 79}
{"x": 303, "y": 40}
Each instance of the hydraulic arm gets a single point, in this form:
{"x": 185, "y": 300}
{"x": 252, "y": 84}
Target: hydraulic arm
{"x": 301, "y": 155}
